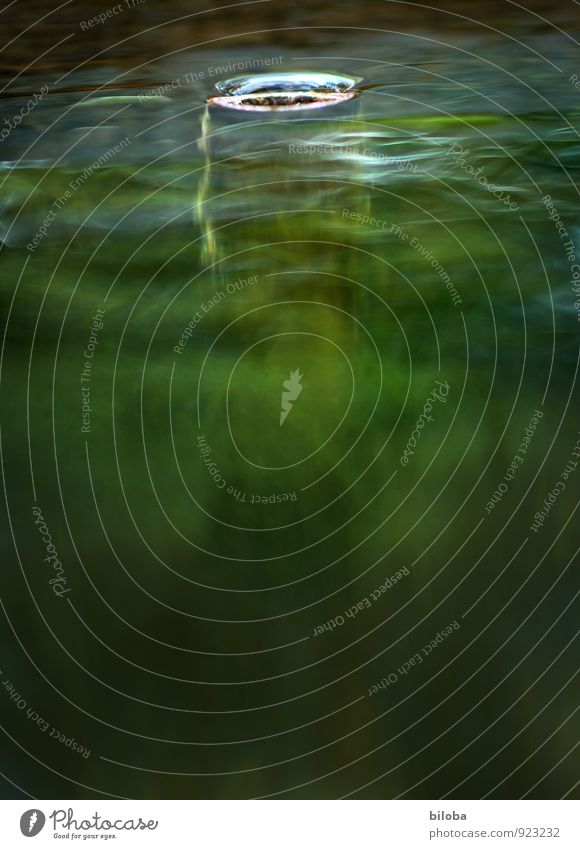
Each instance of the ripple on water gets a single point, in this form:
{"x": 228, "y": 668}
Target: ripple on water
{"x": 284, "y": 91}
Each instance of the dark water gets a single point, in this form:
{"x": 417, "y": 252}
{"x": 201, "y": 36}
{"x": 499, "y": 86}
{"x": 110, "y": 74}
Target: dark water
{"x": 397, "y": 258}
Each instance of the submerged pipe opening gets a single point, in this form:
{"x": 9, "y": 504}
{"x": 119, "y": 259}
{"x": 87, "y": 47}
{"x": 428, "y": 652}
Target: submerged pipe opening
{"x": 283, "y": 91}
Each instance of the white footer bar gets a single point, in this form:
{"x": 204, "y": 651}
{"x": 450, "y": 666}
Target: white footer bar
{"x": 292, "y": 824}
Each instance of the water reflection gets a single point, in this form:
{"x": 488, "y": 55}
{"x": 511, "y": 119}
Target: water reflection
{"x": 208, "y": 539}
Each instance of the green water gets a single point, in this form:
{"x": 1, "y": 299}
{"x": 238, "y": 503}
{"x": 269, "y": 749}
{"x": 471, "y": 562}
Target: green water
{"x": 202, "y": 543}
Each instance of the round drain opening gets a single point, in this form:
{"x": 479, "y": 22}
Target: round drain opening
{"x": 283, "y": 91}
